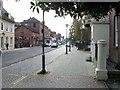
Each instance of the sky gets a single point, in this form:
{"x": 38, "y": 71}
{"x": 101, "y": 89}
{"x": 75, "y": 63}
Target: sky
{"x": 21, "y": 11}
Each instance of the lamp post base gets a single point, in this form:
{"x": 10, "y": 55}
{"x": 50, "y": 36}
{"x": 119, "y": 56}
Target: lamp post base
{"x": 66, "y": 50}
{"x": 43, "y": 71}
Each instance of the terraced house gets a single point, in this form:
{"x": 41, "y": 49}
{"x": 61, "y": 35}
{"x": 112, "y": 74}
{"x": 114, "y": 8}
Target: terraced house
{"x": 6, "y": 29}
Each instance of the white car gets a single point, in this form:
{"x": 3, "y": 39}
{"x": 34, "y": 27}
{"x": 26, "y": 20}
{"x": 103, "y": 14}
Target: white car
{"x": 54, "y": 45}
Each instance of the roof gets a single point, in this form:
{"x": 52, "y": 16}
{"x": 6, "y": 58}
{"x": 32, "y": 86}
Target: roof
{"x": 33, "y": 20}
{"x": 30, "y": 28}
{"x": 7, "y": 16}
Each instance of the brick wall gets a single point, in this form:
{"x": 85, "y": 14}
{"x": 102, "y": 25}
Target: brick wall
{"x": 26, "y": 34}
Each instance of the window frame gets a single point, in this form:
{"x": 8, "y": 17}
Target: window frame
{"x": 7, "y": 39}
{"x": 6, "y": 27}
{"x": 34, "y": 25}
{"x": 2, "y": 26}
{"x": 116, "y": 35}
{"x": 11, "y": 40}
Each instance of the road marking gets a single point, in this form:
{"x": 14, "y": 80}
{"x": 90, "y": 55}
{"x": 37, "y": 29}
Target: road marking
{"x": 17, "y": 81}
{"x": 13, "y": 74}
{"x": 20, "y": 79}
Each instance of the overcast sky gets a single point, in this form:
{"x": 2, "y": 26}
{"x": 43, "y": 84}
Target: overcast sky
{"x": 21, "y": 11}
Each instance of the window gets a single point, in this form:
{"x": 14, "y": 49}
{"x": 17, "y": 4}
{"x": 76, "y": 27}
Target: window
{"x": 11, "y": 40}
{"x": 6, "y": 27}
{"x": 11, "y": 28}
{"x": 6, "y": 39}
{"x": 34, "y": 24}
{"x": 116, "y": 31}
{"x": 0, "y": 12}
{"x": 1, "y": 26}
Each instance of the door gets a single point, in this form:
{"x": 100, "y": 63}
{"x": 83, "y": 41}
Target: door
{"x": 2, "y": 43}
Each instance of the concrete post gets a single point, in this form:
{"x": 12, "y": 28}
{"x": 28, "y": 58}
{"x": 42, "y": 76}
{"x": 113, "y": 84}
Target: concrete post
{"x": 101, "y": 71}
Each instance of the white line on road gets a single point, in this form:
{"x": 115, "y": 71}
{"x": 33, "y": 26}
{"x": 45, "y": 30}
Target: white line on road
{"x": 18, "y": 80}
{"x": 13, "y": 74}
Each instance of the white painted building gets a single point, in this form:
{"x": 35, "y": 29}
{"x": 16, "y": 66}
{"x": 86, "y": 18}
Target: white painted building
{"x": 6, "y": 30}
{"x": 99, "y": 31}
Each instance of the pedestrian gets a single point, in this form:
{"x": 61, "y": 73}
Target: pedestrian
{"x": 7, "y": 45}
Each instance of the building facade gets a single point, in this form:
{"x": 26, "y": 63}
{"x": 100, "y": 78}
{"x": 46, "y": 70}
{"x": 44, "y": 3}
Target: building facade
{"x": 25, "y": 36}
{"x": 114, "y": 50}
{"x": 35, "y": 24}
{"x": 34, "y": 27}
{"x": 6, "y": 30}
{"x": 47, "y": 32}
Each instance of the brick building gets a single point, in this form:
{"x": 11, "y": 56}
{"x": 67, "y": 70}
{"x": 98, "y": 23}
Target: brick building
{"x": 53, "y": 36}
{"x": 47, "y": 32}
{"x": 26, "y": 36}
{"x": 35, "y": 24}
{"x": 34, "y": 28}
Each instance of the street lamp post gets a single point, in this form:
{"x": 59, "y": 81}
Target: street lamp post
{"x": 43, "y": 71}
{"x": 70, "y": 36}
{"x": 66, "y": 38}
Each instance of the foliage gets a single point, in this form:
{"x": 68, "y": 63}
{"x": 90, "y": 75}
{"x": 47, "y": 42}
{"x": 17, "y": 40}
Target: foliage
{"x": 77, "y": 9}
{"x": 77, "y": 31}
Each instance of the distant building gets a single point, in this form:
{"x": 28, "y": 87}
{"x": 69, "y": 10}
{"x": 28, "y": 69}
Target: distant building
{"x": 47, "y": 32}
{"x": 59, "y": 37}
{"x": 53, "y": 36}
{"x": 34, "y": 27}
{"x": 6, "y": 29}
{"x": 26, "y": 36}
{"x": 35, "y": 24}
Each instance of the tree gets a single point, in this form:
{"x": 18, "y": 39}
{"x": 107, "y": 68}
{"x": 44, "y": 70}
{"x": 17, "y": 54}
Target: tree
{"x": 77, "y": 9}
{"x": 77, "y": 31}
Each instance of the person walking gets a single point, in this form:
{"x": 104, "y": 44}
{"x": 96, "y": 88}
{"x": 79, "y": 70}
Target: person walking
{"x": 7, "y": 45}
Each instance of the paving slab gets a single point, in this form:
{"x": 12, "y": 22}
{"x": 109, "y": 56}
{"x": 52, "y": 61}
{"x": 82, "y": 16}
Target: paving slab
{"x": 64, "y": 71}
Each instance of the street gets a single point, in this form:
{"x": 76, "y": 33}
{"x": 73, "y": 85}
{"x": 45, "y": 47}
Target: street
{"x": 27, "y": 67}
{"x": 11, "y": 57}
{"x": 64, "y": 71}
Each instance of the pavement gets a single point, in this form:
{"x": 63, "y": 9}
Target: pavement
{"x": 63, "y": 71}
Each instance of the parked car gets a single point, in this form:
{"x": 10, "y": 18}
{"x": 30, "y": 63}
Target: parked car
{"x": 46, "y": 44}
{"x": 49, "y": 44}
{"x": 54, "y": 45}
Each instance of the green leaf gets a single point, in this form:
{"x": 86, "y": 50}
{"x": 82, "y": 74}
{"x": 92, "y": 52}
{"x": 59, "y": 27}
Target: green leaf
{"x": 56, "y": 16}
{"x": 32, "y": 3}
{"x": 31, "y": 7}
{"x": 37, "y": 9}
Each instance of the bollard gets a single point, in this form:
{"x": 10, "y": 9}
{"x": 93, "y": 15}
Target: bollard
{"x": 101, "y": 71}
